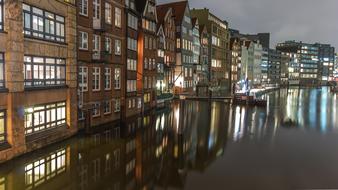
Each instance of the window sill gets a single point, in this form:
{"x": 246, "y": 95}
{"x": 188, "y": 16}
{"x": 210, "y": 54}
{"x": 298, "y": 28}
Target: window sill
{"x": 45, "y": 40}
{"x": 45, "y": 88}
{"x": 5, "y": 146}
{"x": 45, "y": 134}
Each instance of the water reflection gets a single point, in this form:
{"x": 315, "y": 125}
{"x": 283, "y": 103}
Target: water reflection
{"x": 162, "y": 149}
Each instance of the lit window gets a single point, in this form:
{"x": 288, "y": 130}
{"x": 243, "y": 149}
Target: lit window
{"x": 108, "y": 11}
{"x": 43, "y": 71}
{"x": 117, "y": 17}
{"x": 117, "y": 77}
{"x": 83, "y": 40}
{"x": 2, "y": 71}
{"x": 83, "y": 5}
{"x": 42, "y": 24}
{"x": 83, "y": 78}
{"x": 44, "y": 117}
{"x": 96, "y": 78}
{"x": 2, "y": 126}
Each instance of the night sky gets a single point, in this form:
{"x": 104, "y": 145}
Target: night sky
{"x": 301, "y": 20}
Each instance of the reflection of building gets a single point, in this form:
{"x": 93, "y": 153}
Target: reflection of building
{"x": 265, "y": 66}
{"x": 284, "y": 69}
{"x": 38, "y": 102}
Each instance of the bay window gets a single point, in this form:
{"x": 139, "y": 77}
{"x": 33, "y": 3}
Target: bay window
{"x": 131, "y": 64}
{"x": 117, "y": 77}
{"x": 43, "y": 117}
{"x": 107, "y": 79}
{"x": 43, "y": 24}
{"x": 83, "y": 78}
{"x": 131, "y": 86}
{"x": 3, "y": 134}
{"x": 44, "y": 71}
{"x": 96, "y": 78}
{"x": 2, "y": 70}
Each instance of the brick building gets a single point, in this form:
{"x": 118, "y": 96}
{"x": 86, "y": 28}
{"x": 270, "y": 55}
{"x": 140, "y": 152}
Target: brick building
{"x": 38, "y": 99}
{"x": 101, "y": 60}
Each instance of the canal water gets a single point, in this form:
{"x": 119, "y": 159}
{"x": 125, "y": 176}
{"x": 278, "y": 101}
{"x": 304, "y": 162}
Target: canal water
{"x": 290, "y": 144}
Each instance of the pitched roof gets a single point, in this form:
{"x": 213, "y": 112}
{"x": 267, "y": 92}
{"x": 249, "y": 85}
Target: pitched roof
{"x": 178, "y": 9}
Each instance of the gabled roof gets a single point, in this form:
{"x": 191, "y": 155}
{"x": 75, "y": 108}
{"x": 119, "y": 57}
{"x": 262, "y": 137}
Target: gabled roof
{"x": 162, "y": 14}
{"x": 178, "y": 9}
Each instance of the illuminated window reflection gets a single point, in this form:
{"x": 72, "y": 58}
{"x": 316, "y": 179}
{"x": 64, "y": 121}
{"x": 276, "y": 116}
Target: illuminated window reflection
{"x": 40, "y": 171}
{"x": 2, "y": 183}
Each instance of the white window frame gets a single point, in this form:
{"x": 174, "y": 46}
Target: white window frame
{"x": 107, "y": 78}
{"x": 118, "y": 47}
{"x": 107, "y": 112}
{"x": 96, "y": 106}
{"x": 96, "y": 43}
{"x": 83, "y": 78}
{"x": 96, "y": 9}
{"x": 117, "y": 106}
{"x": 83, "y": 4}
{"x": 83, "y": 40}
{"x": 96, "y": 77}
{"x": 117, "y": 78}
{"x": 108, "y": 45}
{"x": 118, "y": 17}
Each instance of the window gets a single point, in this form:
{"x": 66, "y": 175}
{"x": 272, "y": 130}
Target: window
{"x": 42, "y": 71}
{"x": 96, "y": 9}
{"x": 132, "y": 44}
{"x": 117, "y": 17}
{"x": 132, "y": 21}
{"x": 97, "y": 43}
{"x": 96, "y": 110}
{"x": 107, "y": 107}
{"x": 42, "y": 24}
{"x": 2, "y": 126}
{"x": 1, "y": 14}
{"x": 117, "y": 106}
{"x": 117, "y": 78}
{"x": 83, "y": 40}
{"x": 131, "y": 86}
{"x": 107, "y": 79}
{"x": 131, "y": 64}
{"x": 96, "y": 78}
{"x": 118, "y": 47}
{"x": 2, "y": 71}
{"x": 45, "y": 169}
{"x": 107, "y": 13}
{"x": 43, "y": 117}
{"x": 83, "y": 7}
{"x": 83, "y": 78}
{"x": 107, "y": 45}
{"x": 178, "y": 41}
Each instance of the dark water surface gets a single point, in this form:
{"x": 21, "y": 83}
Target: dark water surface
{"x": 291, "y": 144}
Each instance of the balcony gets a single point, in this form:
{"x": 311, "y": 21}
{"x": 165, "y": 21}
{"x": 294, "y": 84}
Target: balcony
{"x": 101, "y": 56}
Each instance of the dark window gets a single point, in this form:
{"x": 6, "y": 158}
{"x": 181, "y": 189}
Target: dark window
{"x": 1, "y": 15}
{"x": 44, "y": 71}
{"x": 43, "y": 117}
{"x": 3, "y": 135}
{"x": 2, "y": 70}
{"x": 42, "y": 24}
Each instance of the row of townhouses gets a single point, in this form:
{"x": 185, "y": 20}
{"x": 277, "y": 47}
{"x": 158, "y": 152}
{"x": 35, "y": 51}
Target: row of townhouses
{"x": 67, "y": 65}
